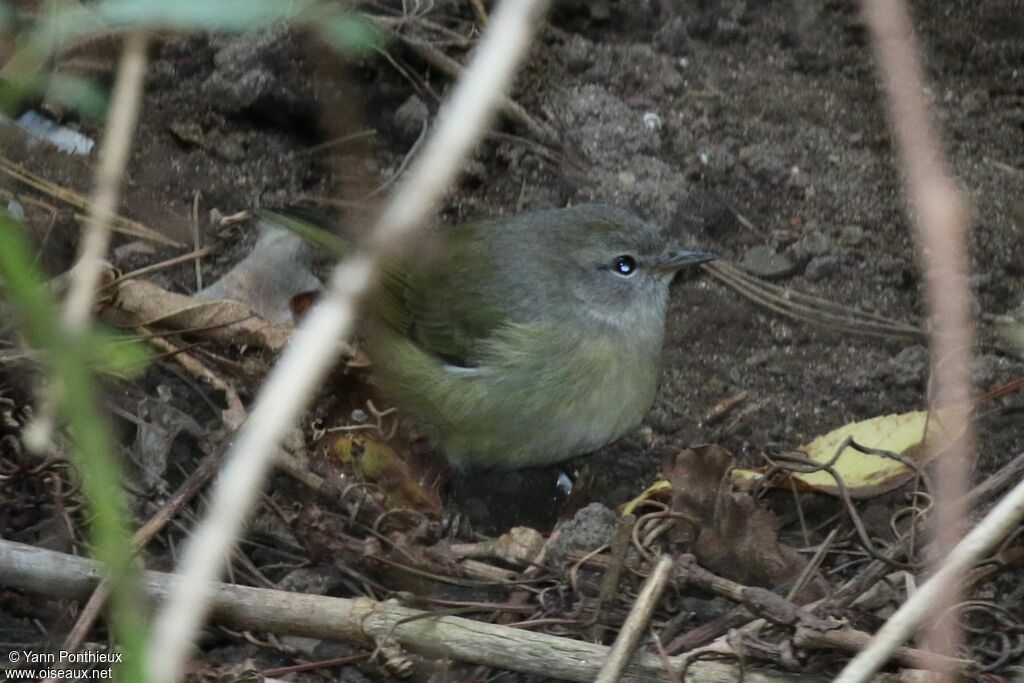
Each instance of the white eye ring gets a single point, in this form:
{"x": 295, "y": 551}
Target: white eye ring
{"x": 624, "y": 265}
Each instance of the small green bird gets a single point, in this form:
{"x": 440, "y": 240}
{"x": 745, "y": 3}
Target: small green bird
{"x": 529, "y": 339}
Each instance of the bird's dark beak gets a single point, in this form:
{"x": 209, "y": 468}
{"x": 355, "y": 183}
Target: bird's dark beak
{"x": 675, "y": 259}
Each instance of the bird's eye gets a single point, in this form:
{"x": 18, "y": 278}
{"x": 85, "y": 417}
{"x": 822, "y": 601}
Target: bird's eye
{"x": 624, "y": 265}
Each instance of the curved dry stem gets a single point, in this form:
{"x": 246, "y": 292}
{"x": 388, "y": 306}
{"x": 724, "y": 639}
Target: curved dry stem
{"x": 941, "y": 224}
{"x": 809, "y": 308}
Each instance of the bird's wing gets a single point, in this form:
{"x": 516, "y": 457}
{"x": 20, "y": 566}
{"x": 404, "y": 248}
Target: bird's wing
{"x": 428, "y": 299}
{"x": 310, "y": 225}
{"x": 440, "y": 302}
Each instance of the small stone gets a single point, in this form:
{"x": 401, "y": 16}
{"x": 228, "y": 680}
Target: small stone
{"x": 798, "y": 179}
{"x": 781, "y": 332}
{"x": 348, "y": 674}
{"x": 307, "y": 646}
{"x": 579, "y": 53}
{"x": 890, "y": 265}
{"x": 590, "y": 528}
{"x": 411, "y": 116}
{"x": 718, "y": 158}
{"x": 764, "y": 162}
{"x": 564, "y": 484}
{"x": 821, "y": 267}
{"x": 312, "y": 580}
{"x": 136, "y": 248}
{"x": 757, "y": 359}
{"x": 909, "y": 368}
{"x": 188, "y": 132}
{"x": 764, "y": 262}
{"x": 719, "y": 222}
{"x": 250, "y": 70}
{"x": 986, "y": 369}
{"x": 813, "y": 244}
{"x": 727, "y": 31}
{"x": 600, "y": 10}
{"x": 672, "y": 37}
{"x": 704, "y": 610}
{"x": 851, "y": 235}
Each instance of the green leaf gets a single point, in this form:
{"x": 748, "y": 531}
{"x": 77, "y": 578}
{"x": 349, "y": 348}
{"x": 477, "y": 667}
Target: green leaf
{"x": 66, "y": 358}
{"x": 22, "y": 283}
{"x": 350, "y": 32}
{"x": 24, "y": 74}
{"x": 84, "y": 96}
{"x": 316, "y": 235}
{"x": 199, "y": 15}
{"x": 115, "y": 354}
{"x": 8, "y": 18}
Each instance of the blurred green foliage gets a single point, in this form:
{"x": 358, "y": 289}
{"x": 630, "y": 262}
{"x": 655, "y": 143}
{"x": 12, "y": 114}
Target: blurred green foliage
{"x": 68, "y": 359}
{"x": 78, "y": 94}
{"x": 73, "y": 360}
{"x": 27, "y": 74}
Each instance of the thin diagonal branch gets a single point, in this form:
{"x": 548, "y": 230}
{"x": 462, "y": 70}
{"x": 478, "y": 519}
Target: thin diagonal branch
{"x": 126, "y": 100}
{"x": 313, "y": 349}
{"x": 941, "y": 223}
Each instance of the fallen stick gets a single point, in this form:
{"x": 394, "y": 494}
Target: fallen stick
{"x": 188, "y": 490}
{"x": 743, "y": 619}
{"x": 509, "y": 107}
{"x": 810, "y": 630}
{"x": 853, "y": 641}
{"x": 635, "y": 625}
{"x": 367, "y": 623}
{"x": 942, "y": 221}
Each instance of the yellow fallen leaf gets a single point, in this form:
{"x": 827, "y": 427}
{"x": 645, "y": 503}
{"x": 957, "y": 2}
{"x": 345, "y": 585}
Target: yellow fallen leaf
{"x": 861, "y": 471}
{"x": 376, "y": 462}
{"x": 863, "y": 474}
{"x": 660, "y": 486}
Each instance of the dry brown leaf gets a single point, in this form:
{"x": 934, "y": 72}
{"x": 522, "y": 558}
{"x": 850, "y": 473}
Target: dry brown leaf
{"x": 729, "y": 534}
{"x": 138, "y": 303}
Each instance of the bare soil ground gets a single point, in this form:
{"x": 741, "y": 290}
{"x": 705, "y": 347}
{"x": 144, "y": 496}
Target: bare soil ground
{"x": 753, "y": 129}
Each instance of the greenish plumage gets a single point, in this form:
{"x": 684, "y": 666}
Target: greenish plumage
{"x": 526, "y": 340}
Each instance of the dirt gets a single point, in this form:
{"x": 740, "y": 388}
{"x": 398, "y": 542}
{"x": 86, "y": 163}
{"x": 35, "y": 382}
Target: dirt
{"x": 771, "y": 112}
{"x": 753, "y": 129}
